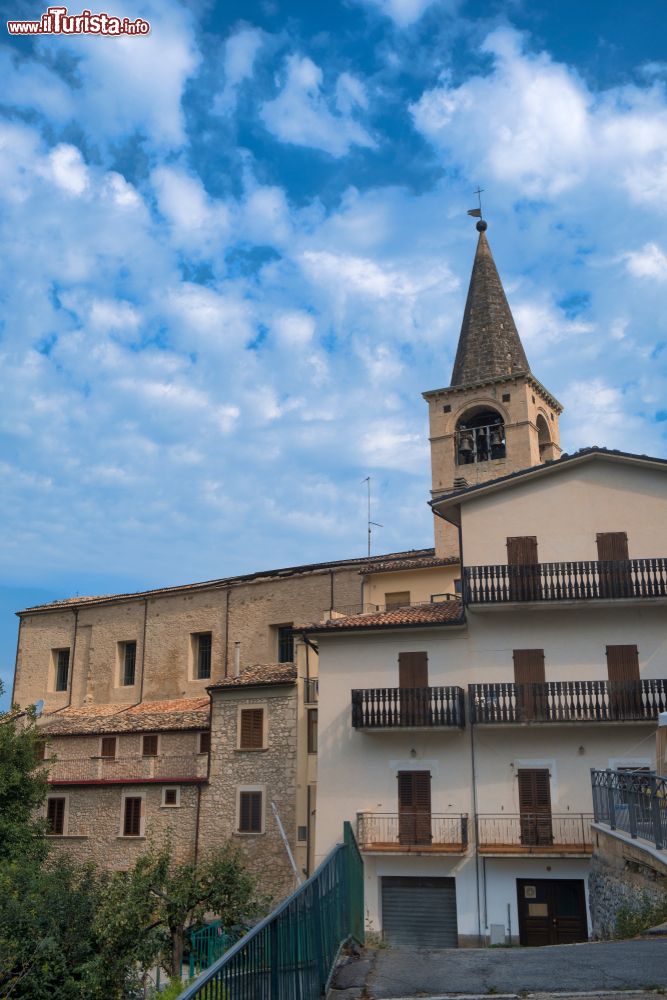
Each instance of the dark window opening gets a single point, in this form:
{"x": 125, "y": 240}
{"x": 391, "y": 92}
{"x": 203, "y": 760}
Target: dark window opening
{"x": 285, "y": 644}
{"x": 312, "y": 730}
{"x": 150, "y": 745}
{"x": 129, "y": 663}
{"x": 204, "y": 643}
{"x": 250, "y": 812}
{"x": 205, "y": 742}
{"x": 62, "y": 669}
{"x": 55, "y": 817}
{"x": 132, "y": 818}
{"x": 171, "y": 796}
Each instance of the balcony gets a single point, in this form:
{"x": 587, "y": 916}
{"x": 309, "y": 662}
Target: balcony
{"x": 127, "y": 770}
{"x": 567, "y": 701}
{"x": 412, "y": 833}
{"x": 634, "y": 802}
{"x": 375, "y": 709}
{"x": 534, "y": 833}
{"x": 566, "y": 581}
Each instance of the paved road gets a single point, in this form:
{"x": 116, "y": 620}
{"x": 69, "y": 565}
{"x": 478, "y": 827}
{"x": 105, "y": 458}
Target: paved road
{"x": 608, "y": 965}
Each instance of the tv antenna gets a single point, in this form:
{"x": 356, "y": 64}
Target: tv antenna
{"x": 371, "y": 524}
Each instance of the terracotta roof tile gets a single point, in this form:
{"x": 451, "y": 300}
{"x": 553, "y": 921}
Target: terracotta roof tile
{"x": 149, "y": 716}
{"x": 424, "y": 562}
{"x": 441, "y": 613}
{"x": 260, "y": 674}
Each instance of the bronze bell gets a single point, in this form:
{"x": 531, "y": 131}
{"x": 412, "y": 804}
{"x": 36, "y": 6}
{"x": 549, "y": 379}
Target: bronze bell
{"x": 496, "y": 437}
{"x": 465, "y": 443}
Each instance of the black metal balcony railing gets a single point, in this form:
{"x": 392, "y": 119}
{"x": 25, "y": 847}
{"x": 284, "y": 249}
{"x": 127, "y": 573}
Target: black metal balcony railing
{"x": 568, "y": 701}
{"x": 437, "y": 832}
{"x": 534, "y": 833}
{"x": 398, "y": 708}
{"x": 74, "y": 770}
{"x": 632, "y": 801}
{"x": 566, "y": 581}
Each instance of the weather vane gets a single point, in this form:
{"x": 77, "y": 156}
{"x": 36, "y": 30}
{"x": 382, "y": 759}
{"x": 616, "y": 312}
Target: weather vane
{"x": 477, "y": 212}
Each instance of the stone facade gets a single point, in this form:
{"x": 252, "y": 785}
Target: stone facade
{"x": 623, "y": 875}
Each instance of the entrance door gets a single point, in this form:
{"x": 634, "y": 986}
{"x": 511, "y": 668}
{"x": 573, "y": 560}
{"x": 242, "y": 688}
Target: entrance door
{"x": 615, "y": 577}
{"x": 419, "y": 912}
{"x": 531, "y": 702}
{"x": 625, "y": 691}
{"x": 551, "y": 911}
{"x": 523, "y": 568}
{"x": 413, "y": 684}
{"x": 414, "y": 807}
{"x": 535, "y": 807}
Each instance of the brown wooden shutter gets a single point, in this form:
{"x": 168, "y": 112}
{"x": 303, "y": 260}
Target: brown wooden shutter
{"x": 612, "y": 546}
{"x": 531, "y": 702}
{"x": 150, "y": 745}
{"x": 252, "y": 728}
{"x": 108, "y": 746}
{"x": 250, "y": 812}
{"x": 413, "y": 670}
{"x": 622, "y": 663}
{"x": 414, "y": 807}
{"x": 522, "y": 550}
{"x": 625, "y": 692}
{"x": 535, "y": 806}
{"x": 132, "y": 824}
{"x": 55, "y": 815}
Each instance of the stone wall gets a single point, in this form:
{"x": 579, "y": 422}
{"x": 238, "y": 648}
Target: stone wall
{"x": 623, "y": 875}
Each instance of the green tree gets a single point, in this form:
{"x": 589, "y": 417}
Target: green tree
{"x": 22, "y": 786}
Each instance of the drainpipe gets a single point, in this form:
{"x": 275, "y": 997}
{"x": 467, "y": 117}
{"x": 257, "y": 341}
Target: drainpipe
{"x": 197, "y": 821}
{"x": 71, "y": 669}
{"x": 227, "y": 632}
{"x": 331, "y": 590}
{"x": 474, "y": 806}
{"x": 143, "y": 652}
{"x": 16, "y": 658}
{"x": 237, "y": 658}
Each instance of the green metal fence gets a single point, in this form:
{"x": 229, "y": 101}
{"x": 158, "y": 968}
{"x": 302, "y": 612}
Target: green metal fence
{"x": 291, "y": 954}
{"x": 208, "y": 944}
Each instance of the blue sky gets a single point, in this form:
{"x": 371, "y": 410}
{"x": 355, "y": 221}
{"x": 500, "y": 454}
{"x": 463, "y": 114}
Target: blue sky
{"x": 235, "y": 252}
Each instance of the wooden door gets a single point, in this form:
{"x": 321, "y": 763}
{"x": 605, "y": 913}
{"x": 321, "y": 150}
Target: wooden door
{"x": 413, "y": 684}
{"x": 524, "y": 574}
{"x": 615, "y": 579}
{"x": 529, "y": 680}
{"x": 414, "y": 807}
{"x": 625, "y": 691}
{"x": 535, "y": 807}
{"x": 551, "y": 911}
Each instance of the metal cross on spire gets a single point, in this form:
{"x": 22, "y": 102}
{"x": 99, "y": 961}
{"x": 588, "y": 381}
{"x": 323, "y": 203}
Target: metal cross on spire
{"x": 477, "y": 212}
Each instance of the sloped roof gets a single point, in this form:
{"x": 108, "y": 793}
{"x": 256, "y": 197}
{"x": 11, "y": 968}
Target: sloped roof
{"x": 393, "y": 565}
{"x": 489, "y": 343}
{"x": 439, "y": 613}
{"x": 259, "y": 675}
{"x": 149, "y": 716}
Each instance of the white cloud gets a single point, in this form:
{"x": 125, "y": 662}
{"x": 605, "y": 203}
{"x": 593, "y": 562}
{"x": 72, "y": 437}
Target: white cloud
{"x": 300, "y": 114}
{"x": 68, "y": 170}
{"x": 402, "y": 12}
{"x": 649, "y": 262}
{"x": 241, "y": 50}
{"x": 294, "y": 329}
{"x": 198, "y": 223}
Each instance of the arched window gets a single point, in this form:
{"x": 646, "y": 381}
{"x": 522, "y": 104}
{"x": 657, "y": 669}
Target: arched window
{"x": 480, "y": 436}
{"x": 544, "y": 439}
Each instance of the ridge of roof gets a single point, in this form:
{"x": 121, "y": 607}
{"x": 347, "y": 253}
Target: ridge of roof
{"x": 259, "y": 675}
{"x": 545, "y": 467}
{"x": 412, "y": 616}
{"x": 363, "y": 561}
{"x": 489, "y": 344}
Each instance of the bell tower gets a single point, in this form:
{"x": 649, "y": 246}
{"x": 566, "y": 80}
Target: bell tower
{"x": 495, "y": 418}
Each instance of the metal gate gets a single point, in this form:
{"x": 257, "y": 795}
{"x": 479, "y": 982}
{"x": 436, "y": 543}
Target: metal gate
{"x": 419, "y": 912}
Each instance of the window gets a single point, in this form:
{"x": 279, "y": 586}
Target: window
{"x": 285, "y": 644}
{"x": 398, "y": 599}
{"x": 312, "y": 730}
{"x": 55, "y": 816}
{"x": 529, "y": 676}
{"x": 150, "y": 745}
{"x": 61, "y": 658}
{"x": 128, "y": 659}
{"x": 203, "y": 642}
{"x": 205, "y": 742}
{"x": 458, "y": 589}
{"x": 171, "y": 797}
{"x": 108, "y": 747}
{"x": 251, "y": 729}
{"x": 132, "y": 817}
{"x": 40, "y": 748}
{"x": 250, "y": 812}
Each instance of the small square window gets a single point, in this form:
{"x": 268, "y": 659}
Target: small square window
{"x": 150, "y": 745}
{"x": 312, "y": 730}
{"x": 61, "y": 657}
{"x": 250, "y": 812}
{"x": 302, "y": 833}
{"x": 205, "y": 742}
{"x": 171, "y": 797}
{"x": 285, "y": 644}
{"x": 447, "y": 408}
{"x": 506, "y": 397}
{"x": 252, "y": 729}
{"x": 55, "y": 816}
{"x": 108, "y": 747}
{"x": 128, "y": 654}
{"x": 132, "y": 817}
{"x": 203, "y": 644}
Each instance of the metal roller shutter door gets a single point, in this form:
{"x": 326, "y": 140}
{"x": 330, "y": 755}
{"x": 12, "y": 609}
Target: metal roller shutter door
{"x": 420, "y": 912}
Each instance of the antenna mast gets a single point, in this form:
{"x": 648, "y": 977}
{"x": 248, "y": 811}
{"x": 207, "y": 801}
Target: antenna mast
{"x": 371, "y": 524}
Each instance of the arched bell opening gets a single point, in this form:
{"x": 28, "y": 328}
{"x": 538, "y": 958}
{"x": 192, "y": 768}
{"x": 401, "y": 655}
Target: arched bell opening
{"x": 546, "y": 445}
{"x": 480, "y": 436}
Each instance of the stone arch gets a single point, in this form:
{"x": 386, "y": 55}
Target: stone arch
{"x": 545, "y": 444}
{"x": 480, "y": 435}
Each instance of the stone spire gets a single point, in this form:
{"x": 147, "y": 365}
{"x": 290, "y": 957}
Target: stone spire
{"x": 489, "y": 345}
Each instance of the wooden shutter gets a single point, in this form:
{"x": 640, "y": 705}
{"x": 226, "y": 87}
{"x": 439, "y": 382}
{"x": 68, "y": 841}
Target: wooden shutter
{"x": 150, "y": 745}
{"x": 414, "y": 807}
{"x": 252, "y": 729}
{"x": 612, "y": 546}
{"x": 622, "y": 663}
{"x": 413, "y": 670}
{"x": 250, "y": 812}
{"x": 397, "y": 599}
{"x": 535, "y": 806}
{"x": 531, "y": 702}
{"x": 108, "y": 746}
{"x": 55, "y": 815}
{"x": 205, "y": 741}
{"x": 522, "y": 550}
{"x": 625, "y": 692}
{"x": 132, "y": 823}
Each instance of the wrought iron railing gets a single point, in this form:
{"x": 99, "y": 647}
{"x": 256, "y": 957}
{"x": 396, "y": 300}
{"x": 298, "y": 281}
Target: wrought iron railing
{"x": 566, "y": 581}
{"x": 291, "y": 954}
{"x": 398, "y": 708}
{"x": 535, "y": 832}
{"x": 411, "y": 831}
{"x": 72, "y": 770}
{"x": 632, "y": 801}
{"x": 568, "y": 701}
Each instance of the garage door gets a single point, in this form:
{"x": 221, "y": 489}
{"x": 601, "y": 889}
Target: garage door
{"x": 420, "y": 912}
